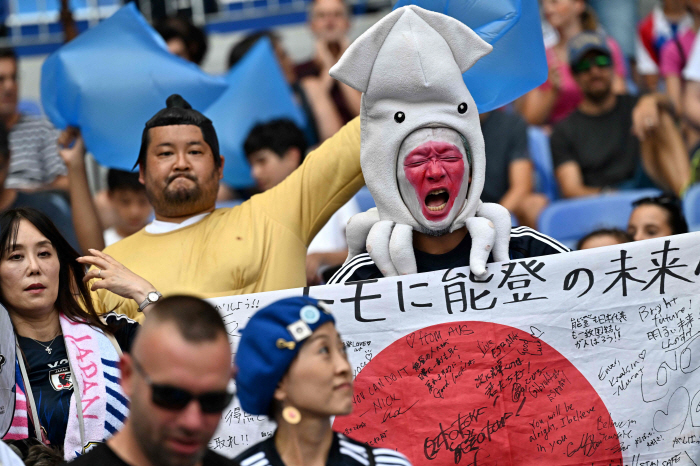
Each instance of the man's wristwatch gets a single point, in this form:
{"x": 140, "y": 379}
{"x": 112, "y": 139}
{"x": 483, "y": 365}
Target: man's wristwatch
{"x": 151, "y": 298}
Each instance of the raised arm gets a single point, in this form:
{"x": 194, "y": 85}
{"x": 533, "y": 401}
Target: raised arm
{"x": 326, "y": 180}
{"x": 327, "y": 118}
{"x": 86, "y": 221}
{"x": 536, "y": 106}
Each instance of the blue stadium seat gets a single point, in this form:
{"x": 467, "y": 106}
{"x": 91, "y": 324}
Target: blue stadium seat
{"x": 571, "y": 219}
{"x": 364, "y": 199}
{"x": 691, "y": 207}
{"x": 541, "y": 155}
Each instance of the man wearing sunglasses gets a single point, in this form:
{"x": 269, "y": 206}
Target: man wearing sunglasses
{"x": 178, "y": 378}
{"x": 615, "y": 141}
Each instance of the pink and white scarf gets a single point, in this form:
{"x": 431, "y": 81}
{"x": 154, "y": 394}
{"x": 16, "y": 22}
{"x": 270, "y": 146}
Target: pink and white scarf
{"x": 98, "y": 407}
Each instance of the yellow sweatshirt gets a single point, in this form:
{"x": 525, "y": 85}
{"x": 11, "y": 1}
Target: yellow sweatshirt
{"x": 257, "y": 246}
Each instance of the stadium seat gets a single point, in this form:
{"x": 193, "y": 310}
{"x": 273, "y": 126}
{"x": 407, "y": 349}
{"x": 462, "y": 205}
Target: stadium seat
{"x": 691, "y": 207}
{"x": 364, "y": 199}
{"x": 541, "y": 155}
{"x": 571, "y": 219}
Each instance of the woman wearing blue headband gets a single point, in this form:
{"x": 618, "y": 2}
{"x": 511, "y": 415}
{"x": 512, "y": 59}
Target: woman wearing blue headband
{"x": 292, "y": 367}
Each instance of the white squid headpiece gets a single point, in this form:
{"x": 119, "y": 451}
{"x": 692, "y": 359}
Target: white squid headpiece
{"x": 409, "y": 68}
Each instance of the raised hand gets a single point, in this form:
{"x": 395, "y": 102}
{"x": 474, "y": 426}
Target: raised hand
{"x": 111, "y": 275}
{"x": 72, "y": 147}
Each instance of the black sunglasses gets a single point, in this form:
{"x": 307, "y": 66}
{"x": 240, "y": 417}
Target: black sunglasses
{"x": 175, "y": 399}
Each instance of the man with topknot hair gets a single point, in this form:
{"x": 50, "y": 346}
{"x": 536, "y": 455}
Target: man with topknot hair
{"x": 193, "y": 248}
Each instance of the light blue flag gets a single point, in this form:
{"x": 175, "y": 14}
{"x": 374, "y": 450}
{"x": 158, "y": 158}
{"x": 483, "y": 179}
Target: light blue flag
{"x": 113, "y": 78}
{"x": 257, "y": 93}
{"x": 517, "y": 63}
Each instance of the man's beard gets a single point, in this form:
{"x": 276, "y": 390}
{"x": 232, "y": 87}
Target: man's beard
{"x": 151, "y": 440}
{"x": 183, "y": 201}
{"x": 158, "y": 455}
{"x": 598, "y": 97}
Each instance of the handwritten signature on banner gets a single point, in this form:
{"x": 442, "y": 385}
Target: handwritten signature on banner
{"x": 579, "y": 358}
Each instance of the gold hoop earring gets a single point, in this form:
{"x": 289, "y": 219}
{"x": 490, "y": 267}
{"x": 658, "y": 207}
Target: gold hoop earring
{"x": 291, "y": 415}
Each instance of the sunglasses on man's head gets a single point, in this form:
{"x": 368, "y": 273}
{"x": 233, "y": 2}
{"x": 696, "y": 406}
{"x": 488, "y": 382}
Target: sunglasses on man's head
{"x": 664, "y": 199}
{"x": 601, "y": 61}
{"x": 175, "y": 399}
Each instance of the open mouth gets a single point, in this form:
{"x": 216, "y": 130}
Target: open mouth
{"x": 431, "y": 171}
{"x": 437, "y": 200}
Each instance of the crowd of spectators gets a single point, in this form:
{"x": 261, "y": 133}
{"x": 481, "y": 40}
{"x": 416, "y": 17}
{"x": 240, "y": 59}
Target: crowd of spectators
{"x": 619, "y": 120}
{"x": 616, "y": 119}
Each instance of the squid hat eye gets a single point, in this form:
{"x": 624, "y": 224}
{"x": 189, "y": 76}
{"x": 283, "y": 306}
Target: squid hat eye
{"x": 399, "y": 117}
{"x": 462, "y": 108}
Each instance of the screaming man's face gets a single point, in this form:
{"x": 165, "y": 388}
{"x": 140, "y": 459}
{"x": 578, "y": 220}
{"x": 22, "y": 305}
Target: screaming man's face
{"x": 432, "y": 173}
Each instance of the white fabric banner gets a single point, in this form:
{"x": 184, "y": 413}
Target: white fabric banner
{"x": 582, "y": 358}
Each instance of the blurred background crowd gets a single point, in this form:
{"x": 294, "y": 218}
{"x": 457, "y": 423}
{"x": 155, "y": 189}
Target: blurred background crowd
{"x": 607, "y": 150}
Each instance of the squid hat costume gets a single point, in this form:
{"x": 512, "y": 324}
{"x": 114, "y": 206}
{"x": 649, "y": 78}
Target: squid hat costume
{"x": 421, "y": 140}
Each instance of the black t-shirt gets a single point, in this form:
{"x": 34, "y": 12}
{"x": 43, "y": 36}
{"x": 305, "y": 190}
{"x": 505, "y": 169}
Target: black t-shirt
{"x": 344, "y": 452}
{"x": 505, "y": 136}
{"x": 524, "y": 242}
{"x": 603, "y": 145}
{"x": 51, "y": 380}
{"x": 102, "y": 455}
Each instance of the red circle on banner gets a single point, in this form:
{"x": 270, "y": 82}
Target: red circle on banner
{"x": 476, "y": 393}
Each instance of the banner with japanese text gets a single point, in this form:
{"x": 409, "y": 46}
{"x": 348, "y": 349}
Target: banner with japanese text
{"x": 588, "y": 357}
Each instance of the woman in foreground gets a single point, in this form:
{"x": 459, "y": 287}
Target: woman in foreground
{"x": 292, "y": 367}
{"x": 56, "y": 339}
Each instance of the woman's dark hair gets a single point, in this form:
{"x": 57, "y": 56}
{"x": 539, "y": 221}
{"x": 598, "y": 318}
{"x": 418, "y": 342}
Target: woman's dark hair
{"x": 43, "y": 455}
{"x": 620, "y": 235}
{"x": 34, "y": 453}
{"x": 77, "y": 307}
{"x": 673, "y": 207}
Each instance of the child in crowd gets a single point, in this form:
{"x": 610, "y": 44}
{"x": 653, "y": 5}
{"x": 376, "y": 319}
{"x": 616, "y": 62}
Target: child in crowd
{"x": 274, "y": 150}
{"x": 131, "y": 207}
